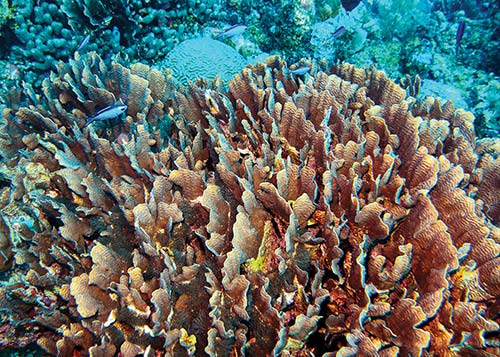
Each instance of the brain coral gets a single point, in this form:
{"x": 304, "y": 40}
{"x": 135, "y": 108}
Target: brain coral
{"x": 331, "y": 216}
{"x": 203, "y": 58}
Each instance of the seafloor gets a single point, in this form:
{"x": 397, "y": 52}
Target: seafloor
{"x": 236, "y": 177}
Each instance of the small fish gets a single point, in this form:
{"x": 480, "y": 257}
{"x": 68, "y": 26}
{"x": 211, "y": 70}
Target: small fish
{"x": 110, "y": 112}
{"x": 460, "y": 34}
{"x": 338, "y": 32}
{"x": 232, "y": 31}
{"x": 300, "y": 71}
{"x": 83, "y": 42}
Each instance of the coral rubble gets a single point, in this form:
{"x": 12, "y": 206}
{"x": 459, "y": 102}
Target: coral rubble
{"x": 328, "y": 215}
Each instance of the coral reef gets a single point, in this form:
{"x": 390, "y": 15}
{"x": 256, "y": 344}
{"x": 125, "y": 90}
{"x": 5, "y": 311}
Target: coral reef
{"x": 327, "y": 215}
{"x": 143, "y": 29}
{"x": 207, "y": 59}
{"x": 405, "y": 37}
{"x": 482, "y": 39}
{"x": 488, "y": 107}
{"x": 419, "y": 37}
{"x": 6, "y": 12}
{"x": 326, "y": 45}
{"x": 281, "y": 26}
{"x": 401, "y": 18}
{"x": 39, "y": 34}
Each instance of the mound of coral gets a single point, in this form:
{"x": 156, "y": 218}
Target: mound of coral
{"x": 203, "y": 58}
{"x": 329, "y": 215}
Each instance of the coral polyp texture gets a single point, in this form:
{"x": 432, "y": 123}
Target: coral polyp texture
{"x": 330, "y": 215}
{"x": 203, "y": 58}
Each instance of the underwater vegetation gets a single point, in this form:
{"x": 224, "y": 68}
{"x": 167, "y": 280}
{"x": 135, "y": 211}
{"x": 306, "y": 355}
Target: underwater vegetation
{"x": 325, "y": 214}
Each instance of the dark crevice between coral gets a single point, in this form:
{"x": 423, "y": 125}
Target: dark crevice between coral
{"x": 4, "y": 181}
{"x": 7, "y": 40}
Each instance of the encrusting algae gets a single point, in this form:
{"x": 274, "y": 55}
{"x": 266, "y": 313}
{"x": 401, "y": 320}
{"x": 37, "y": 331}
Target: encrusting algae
{"x": 327, "y": 214}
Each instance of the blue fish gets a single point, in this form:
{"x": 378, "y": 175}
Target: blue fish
{"x": 83, "y": 43}
{"x": 232, "y": 31}
{"x": 110, "y": 112}
{"x": 300, "y": 71}
{"x": 460, "y": 34}
{"x": 339, "y": 32}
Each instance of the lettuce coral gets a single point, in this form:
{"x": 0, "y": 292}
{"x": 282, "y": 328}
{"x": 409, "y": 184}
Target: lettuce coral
{"x": 325, "y": 216}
